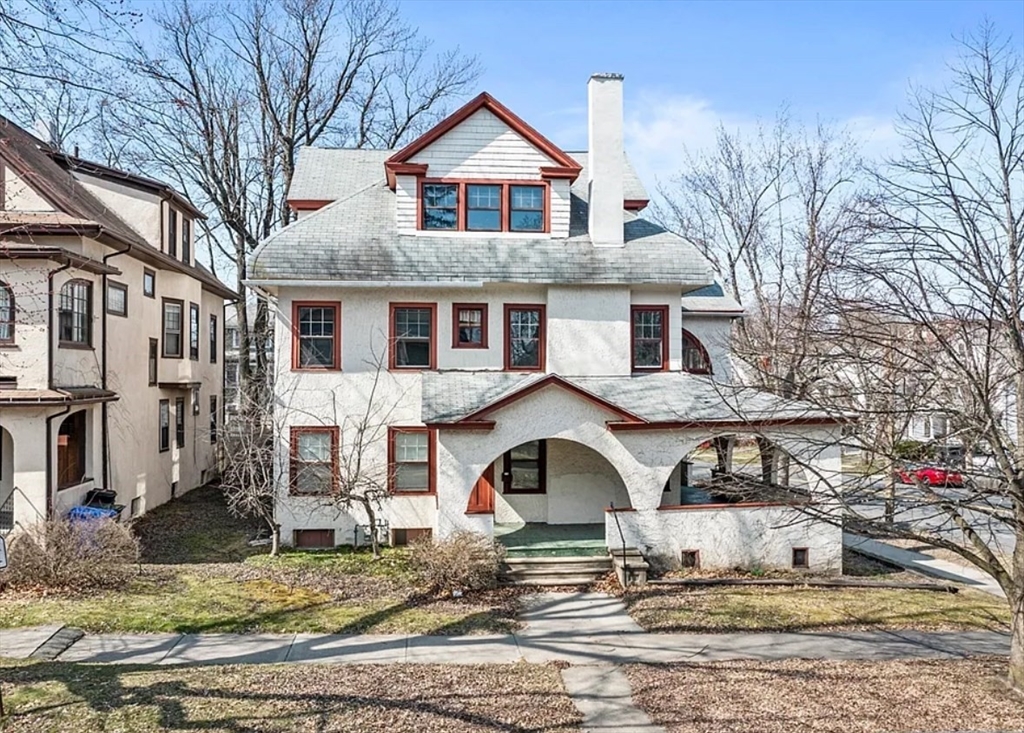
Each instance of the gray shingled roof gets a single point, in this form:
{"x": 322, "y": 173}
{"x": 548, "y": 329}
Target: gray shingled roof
{"x": 355, "y": 239}
{"x": 661, "y": 397}
{"x": 632, "y": 186}
{"x": 711, "y": 299}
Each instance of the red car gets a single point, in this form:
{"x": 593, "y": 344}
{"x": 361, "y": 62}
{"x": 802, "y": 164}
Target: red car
{"x": 931, "y": 475}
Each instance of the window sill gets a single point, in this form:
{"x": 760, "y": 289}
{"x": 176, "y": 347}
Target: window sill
{"x": 412, "y": 369}
{"x": 312, "y": 370}
{"x": 73, "y": 345}
{"x": 170, "y": 356}
{"x": 523, "y": 369}
{"x": 9, "y": 346}
{"x": 478, "y": 347}
{"x": 413, "y": 492}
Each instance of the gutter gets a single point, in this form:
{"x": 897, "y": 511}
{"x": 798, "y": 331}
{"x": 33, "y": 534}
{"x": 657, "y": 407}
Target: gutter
{"x": 364, "y": 284}
{"x": 105, "y": 429}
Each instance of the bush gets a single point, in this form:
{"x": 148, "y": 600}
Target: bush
{"x": 913, "y": 450}
{"x": 61, "y": 555}
{"x": 464, "y": 561}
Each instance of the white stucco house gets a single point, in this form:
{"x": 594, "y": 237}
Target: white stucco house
{"x": 111, "y": 337}
{"x": 526, "y": 349}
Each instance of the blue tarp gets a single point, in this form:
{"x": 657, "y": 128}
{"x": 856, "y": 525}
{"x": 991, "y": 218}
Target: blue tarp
{"x": 88, "y": 514}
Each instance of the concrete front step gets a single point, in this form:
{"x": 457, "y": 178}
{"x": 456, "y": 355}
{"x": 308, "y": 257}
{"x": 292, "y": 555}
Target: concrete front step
{"x": 548, "y": 571}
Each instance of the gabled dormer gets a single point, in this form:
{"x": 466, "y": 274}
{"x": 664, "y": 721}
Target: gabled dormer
{"x": 482, "y": 170}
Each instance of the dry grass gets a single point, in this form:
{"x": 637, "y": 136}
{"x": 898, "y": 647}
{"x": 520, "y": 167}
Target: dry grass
{"x": 67, "y": 698}
{"x": 800, "y": 696}
{"x": 725, "y": 609}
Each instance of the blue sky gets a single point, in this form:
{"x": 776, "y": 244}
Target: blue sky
{"x": 689, "y": 65}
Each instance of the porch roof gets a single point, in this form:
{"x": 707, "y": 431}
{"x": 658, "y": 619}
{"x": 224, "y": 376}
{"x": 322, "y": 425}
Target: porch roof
{"x": 663, "y": 399}
{"x": 60, "y": 396}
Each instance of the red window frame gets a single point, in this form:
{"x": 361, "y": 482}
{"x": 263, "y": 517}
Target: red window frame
{"x": 542, "y": 337}
{"x": 336, "y": 352}
{"x": 462, "y": 203}
{"x": 294, "y": 433}
{"x": 456, "y": 308}
{"x": 634, "y": 310}
{"x": 692, "y": 342}
{"x": 431, "y": 434}
{"x": 393, "y": 309}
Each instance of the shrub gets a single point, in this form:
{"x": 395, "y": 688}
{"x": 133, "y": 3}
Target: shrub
{"x": 62, "y": 555}
{"x": 463, "y": 561}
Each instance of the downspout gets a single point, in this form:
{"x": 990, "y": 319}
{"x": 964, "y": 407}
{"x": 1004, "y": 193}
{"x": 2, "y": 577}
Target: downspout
{"x": 105, "y": 431}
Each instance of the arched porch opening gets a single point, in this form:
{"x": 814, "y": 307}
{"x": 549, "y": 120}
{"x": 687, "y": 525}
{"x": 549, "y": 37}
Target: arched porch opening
{"x": 550, "y": 495}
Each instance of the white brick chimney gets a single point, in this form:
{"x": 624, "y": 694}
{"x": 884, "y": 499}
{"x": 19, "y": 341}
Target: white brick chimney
{"x": 604, "y": 94}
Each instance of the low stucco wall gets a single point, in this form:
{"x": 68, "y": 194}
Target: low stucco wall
{"x": 728, "y": 537}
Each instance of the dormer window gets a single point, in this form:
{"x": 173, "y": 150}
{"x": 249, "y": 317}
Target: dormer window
{"x": 440, "y": 206}
{"x": 526, "y": 214}
{"x": 483, "y": 207}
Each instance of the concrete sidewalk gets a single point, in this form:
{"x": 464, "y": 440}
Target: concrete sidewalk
{"x": 534, "y": 646}
{"x": 925, "y": 564}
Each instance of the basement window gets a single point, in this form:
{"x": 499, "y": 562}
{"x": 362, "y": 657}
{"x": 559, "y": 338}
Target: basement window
{"x": 801, "y": 558}
{"x": 690, "y": 560}
{"x": 403, "y": 537}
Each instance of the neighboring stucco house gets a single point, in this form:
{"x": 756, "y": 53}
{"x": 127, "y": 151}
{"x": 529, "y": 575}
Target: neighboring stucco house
{"x": 111, "y": 346}
{"x": 536, "y": 352}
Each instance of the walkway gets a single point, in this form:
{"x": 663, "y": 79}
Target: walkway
{"x": 925, "y": 564}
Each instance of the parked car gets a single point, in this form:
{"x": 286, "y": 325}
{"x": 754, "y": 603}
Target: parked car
{"x": 931, "y": 475}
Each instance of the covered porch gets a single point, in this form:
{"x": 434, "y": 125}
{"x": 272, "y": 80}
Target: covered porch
{"x": 536, "y": 539}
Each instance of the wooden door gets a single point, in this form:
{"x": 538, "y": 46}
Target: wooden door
{"x": 481, "y": 500}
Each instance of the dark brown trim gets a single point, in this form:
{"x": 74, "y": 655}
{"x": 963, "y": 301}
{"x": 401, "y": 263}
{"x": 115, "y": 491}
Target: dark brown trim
{"x": 724, "y": 424}
{"x": 392, "y": 337}
{"x": 308, "y": 204}
{"x": 336, "y": 355}
{"x": 10, "y": 295}
{"x": 112, "y": 285}
{"x": 663, "y": 309}
{"x": 542, "y": 337}
{"x": 806, "y": 564}
{"x": 153, "y": 355}
{"x": 431, "y": 461}
{"x": 635, "y": 204}
{"x": 560, "y": 171}
{"x": 147, "y": 271}
{"x": 294, "y": 431}
{"x": 551, "y": 379}
{"x": 163, "y": 328}
{"x": 90, "y": 309}
{"x": 542, "y": 471}
{"x": 482, "y": 101}
{"x": 456, "y": 307}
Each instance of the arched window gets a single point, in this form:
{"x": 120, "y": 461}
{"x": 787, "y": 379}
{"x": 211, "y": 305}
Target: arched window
{"x": 74, "y": 313}
{"x": 6, "y": 314}
{"x": 695, "y": 356}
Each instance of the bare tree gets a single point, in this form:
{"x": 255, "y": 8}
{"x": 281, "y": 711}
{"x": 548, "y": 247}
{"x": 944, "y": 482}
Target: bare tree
{"x": 228, "y": 96}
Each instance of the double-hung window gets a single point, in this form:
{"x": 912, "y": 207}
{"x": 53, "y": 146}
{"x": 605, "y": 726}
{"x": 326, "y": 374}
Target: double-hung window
{"x": 526, "y": 209}
{"x": 317, "y": 336}
{"x": 193, "y": 331}
{"x": 165, "y": 425}
{"x": 440, "y": 206}
{"x": 650, "y": 338}
{"x": 483, "y": 208}
{"x": 213, "y": 339}
{"x": 469, "y": 326}
{"x": 179, "y": 422}
{"x": 75, "y": 313}
{"x": 172, "y": 328}
{"x": 117, "y": 299}
{"x": 413, "y": 327}
{"x": 524, "y": 337}
{"x": 410, "y": 460}
{"x": 314, "y": 459}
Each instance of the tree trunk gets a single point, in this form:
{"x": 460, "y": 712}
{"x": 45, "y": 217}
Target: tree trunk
{"x": 371, "y": 517}
{"x": 1017, "y": 643}
{"x": 275, "y": 538}
{"x": 890, "y": 497}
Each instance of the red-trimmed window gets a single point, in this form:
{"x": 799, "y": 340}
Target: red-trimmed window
{"x": 469, "y": 326}
{"x": 413, "y": 336}
{"x": 483, "y": 206}
{"x": 316, "y": 335}
{"x": 6, "y": 314}
{"x": 650, "y": 338}
{"x": 411, "y": 460}
{"x": 524, "y": 337}
{"x": 695, "y": 356}
{"x": 313, "y": 466}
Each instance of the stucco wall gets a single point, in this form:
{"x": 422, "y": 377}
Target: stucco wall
{"x": 729, "y": 537}
{"x": 20, "y": 196}
{"x": 26, "y": 358}
{"x": 714, "y": 332}
{"x": 140, "y": 209}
